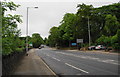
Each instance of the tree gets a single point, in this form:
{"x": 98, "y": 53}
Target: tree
{"x": 45, "y": 40}
{"x": 111, "y": 22}
{"x": 10, "y": 33}
{"x": 36, "y": 40}
{"x": 116, "y": 41}
{"x": 102, "y": 20}
{"x": 54, "y": 36}
{"x": 83, "y": 14}
{"x": 68, "y": 27}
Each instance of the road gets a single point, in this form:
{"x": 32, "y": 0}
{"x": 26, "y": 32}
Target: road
{"x": 64, "y": 62}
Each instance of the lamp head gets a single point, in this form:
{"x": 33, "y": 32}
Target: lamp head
{"x": 36, "y": 7}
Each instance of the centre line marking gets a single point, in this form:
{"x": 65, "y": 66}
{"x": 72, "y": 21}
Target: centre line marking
{"x": 76, "y": 68}
{"x": 55, "y": 58}
{"x": 47, "y": 55}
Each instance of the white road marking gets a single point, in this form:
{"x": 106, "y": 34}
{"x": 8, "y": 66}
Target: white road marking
{"x": 78, "y": 74}
{"x": 95, "y": 58}
{"x": 49, "y": 68}
{"x": 48, "y": 55}
{"x": 55, "y": 58}
{"x": 92, "y": 58}
{"x": 76, "y": 68}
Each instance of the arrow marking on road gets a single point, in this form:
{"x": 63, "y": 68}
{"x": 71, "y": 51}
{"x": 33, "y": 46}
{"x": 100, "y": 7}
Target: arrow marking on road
{"x": 76, "y": 68}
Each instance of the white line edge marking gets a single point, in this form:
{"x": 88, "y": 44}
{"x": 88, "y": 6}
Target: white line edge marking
{"x": 76, "y": 68}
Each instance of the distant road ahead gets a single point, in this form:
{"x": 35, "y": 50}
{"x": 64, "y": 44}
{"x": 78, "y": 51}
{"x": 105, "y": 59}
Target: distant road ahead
{"x": 79, "y": 63}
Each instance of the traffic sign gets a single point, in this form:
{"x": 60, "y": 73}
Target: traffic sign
{"x": 30, "y": 44}
{"x": 74, "y": 44}
{"x": 79, "y": 40}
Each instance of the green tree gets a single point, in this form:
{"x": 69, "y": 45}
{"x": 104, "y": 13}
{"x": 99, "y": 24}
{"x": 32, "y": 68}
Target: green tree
{"x": 54, "y": 36}
{"x": 111, "y": 22}
{"x": 116, "y": 41}
{"x": 83, "y": 14}
{"x": 10, "y": 33}
{"x": 102, "y": 20}
{"x": 45, "y": 40}
{"x": 68, "y": 27}
{"x": 36, "y": 40}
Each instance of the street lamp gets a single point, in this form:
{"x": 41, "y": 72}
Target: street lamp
{"x": 27, "y": 28}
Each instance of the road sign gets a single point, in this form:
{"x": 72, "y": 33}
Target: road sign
{"x": 74, "y": 44}
{"x": 79, "y": 40}
{"x": 31, "y": 44}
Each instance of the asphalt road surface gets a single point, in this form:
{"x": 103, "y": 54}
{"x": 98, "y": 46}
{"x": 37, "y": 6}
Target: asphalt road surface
{"x": 64, "y": 62}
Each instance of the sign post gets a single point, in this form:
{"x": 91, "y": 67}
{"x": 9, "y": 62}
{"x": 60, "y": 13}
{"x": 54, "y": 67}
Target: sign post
{"x": 30, "y": 44}
{"x": 73, "y": 44}
{"x": 79, "y": 41}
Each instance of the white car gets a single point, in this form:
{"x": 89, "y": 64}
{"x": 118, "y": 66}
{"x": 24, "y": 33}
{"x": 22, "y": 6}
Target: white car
{"x": 100, "y": 47}
{"x": 91, "y": 48}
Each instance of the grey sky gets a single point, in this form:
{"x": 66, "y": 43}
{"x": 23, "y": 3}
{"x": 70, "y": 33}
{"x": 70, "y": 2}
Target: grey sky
{"x": 49, "y": 13}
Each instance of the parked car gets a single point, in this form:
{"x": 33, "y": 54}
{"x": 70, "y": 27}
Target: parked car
{"x": 42, "y": 46}
{"x": 100, "y": 47}
{"x": 91, "y": 48}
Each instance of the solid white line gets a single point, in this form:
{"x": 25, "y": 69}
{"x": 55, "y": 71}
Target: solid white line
{"x": 76, "y": 68}
{"x": 48, "y": 67}
{"x": 55, "y": 58}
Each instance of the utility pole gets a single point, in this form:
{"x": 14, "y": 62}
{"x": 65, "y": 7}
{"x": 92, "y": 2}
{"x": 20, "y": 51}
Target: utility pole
{"x": 89, "y": 32}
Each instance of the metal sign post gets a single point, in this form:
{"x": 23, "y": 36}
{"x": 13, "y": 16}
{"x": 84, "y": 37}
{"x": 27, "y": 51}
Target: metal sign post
{"x": 79, "y": 41}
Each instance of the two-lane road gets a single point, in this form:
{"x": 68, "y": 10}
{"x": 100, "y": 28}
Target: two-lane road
{"x": 79, "y": 63}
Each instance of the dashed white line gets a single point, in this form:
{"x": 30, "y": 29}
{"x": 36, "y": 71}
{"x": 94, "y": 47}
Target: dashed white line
{"x": 92, "y": 58}
{"x": 76, "y": 68}
{"x": 78, "y": 74}
{"x": 55, "y": 58}
{"x": 48, "y": 55}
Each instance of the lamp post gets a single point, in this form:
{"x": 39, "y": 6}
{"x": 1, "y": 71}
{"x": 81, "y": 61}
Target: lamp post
{"x": 27, "y": 28}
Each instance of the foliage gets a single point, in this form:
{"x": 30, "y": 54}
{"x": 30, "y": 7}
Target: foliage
{"x": 10, "y": 34}
{"x": 110, "y": 41}
{"x": 111, "y": 22}
{"x": 116, "y": 44}
{"x": 104, "y": 25}
{"x": 54, "y": 37}
{"x": 36, "y": 40}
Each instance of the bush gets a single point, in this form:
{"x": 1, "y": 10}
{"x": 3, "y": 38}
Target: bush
{"x": 116, "y": 46}
{"x": 19, "y": 49}
{"x": 116, "y": 41}
{"x": 104, "y": 40}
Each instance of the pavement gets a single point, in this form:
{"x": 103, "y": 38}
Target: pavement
{"x": 33, "y": 65}
{"x": 65, "y": 62}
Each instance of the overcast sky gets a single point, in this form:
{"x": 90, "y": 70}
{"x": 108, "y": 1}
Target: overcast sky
{"x": 49, "y": 13}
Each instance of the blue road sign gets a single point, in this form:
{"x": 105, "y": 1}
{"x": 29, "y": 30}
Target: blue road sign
{"x": 73, "y": 44}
